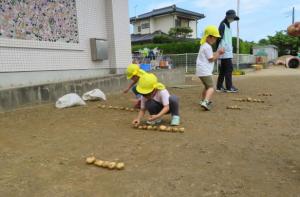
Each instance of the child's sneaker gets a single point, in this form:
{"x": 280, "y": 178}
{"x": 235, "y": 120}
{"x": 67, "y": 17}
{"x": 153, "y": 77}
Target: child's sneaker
{"x": 154, "y": 122}
{"x": 175, "y": 121}
{"x": 209, "y": 103}
{"x": 221, "y": 89}
{"x": 206, "y": 105}
{"x": 232, "y": 90}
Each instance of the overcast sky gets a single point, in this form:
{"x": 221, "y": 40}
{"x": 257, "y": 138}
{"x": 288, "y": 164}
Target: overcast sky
{"x": 258, "y": 18}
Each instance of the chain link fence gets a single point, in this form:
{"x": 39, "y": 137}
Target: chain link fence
{"x": 188, "y": 61}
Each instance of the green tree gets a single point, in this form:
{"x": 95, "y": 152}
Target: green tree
{"x": 180, "y": 32}
{"x": 162, "y": 39}
{"x": 245, "y": 46}
{"x": 286, "y": 44}
{"x": 263, "y": 42}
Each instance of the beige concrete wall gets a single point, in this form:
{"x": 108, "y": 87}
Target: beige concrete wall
{"x": 163, "y": 23}
{"x": 193, "y": 26}
{"x": 104, "y": 19}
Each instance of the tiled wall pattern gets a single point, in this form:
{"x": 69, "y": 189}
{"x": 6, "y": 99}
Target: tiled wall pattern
{"x": 43, "y": 20}
{"x": 32, "y": 55}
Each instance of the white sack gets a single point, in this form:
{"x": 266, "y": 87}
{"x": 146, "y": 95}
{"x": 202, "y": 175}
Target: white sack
{"x": 69, "y": 100}
{"x": 94, "y": 95}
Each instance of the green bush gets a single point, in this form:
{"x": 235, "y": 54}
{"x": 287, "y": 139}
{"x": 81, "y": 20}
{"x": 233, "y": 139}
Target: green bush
{"x": 162, "y": 39}
{"x": 181, "y": 32}
{"x": 172, "y": 48}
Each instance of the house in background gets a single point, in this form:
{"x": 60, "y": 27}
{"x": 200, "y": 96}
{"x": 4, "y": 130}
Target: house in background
{"x": 159, "y": 21}
{"x": 271, "y": 51}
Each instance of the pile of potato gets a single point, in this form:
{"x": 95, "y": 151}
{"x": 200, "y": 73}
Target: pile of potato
{"x": 161, "y": 128}
{"x": 105, "y": 164}
{"x": 250, "y": 100}
{"x": 234, "y": 107}
{"x": 117, "y": 107}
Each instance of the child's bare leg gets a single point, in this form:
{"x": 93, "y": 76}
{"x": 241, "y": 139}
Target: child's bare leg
{"x": 203, "y": 94}
{"x": 208, "y": 94}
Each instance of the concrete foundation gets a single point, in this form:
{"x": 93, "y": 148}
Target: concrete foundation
{"x": 11, "y": 99}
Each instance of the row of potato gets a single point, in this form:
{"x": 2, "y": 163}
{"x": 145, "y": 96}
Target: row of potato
{"x": 249, "y": 99}
{"x": 161, "y": 128}
{"x": 265, "y": 94}
{"x": 117, "y": 107}
{"x": 234, "y": 107}
{"x": 105, "y": 164}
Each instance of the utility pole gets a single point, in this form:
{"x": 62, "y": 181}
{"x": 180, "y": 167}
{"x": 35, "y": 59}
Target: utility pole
{"x": 135, "y": 10}
{"x": 135, "y": 25}
{"x": 293, "y": 16}
{"x": 238, "y": 38}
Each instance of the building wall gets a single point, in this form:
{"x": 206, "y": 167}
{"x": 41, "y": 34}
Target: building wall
{"x": 11, "y": 99}
{"x": 143, "y": 30}
{"x": 193, "y": 26}
{"x": 117, "y": 20}
{"x": 272, "y": 52}
{"x": 163, "y": 23}
{"x": 31, "y": 58}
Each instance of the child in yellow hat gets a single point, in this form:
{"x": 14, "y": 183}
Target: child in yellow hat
{"x": 205, "y": 64}
{"x": 134, "y": 72}
{"x": 156, "y": 100}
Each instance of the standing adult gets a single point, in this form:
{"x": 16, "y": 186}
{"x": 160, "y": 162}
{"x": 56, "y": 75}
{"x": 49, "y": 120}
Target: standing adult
{"x": 226, "y": 67}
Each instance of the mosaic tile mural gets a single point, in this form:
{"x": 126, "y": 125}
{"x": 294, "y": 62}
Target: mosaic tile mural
{"x": 43, "y": 20}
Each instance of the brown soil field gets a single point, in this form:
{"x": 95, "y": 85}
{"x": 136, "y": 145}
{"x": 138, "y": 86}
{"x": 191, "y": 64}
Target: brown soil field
{"x": 251, "y": 152}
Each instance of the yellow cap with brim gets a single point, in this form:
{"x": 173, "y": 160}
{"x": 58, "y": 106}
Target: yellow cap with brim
{"x": 132, "y": 70}
{"x": 210, "y": 30}
{"x": 147, "y": 83}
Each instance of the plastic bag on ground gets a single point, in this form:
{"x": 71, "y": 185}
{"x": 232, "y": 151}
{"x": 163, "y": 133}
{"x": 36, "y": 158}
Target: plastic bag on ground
{"x": 94, "y": 95}
{"x": 69, "y": 100}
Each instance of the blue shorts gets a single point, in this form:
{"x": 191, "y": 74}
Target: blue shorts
{"x": 137, "y": 95}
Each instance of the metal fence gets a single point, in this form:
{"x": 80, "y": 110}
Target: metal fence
{"x": 188, "y": 61}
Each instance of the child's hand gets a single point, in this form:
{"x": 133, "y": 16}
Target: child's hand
{"x": 153, "y": 117}
{"x": 136, "y": 121}
{"x": 125, "y": 91}
{"x": 221, "y": 51}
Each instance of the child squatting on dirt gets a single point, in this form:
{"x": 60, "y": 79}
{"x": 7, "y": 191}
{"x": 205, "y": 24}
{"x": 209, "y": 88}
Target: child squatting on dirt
{"x": 134, "y": 72}
{"x": 205, "y": 64}
{"x": 156, "y": 100}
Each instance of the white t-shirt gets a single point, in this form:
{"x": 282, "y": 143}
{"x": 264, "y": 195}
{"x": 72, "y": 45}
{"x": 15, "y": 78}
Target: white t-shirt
{"x": 161, "y": 96}
{"x": 203, "y": 66}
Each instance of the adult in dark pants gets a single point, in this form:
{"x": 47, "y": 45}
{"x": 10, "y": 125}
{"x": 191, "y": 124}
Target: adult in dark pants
{"x": 226, "y": 67}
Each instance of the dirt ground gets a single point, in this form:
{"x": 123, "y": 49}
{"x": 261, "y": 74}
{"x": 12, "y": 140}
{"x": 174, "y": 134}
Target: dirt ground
{"x": 250, "y": 152}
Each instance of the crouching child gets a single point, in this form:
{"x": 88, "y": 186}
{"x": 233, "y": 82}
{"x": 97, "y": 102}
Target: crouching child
{"x": 156, "y": 100}
{"x": 134, "y": 72}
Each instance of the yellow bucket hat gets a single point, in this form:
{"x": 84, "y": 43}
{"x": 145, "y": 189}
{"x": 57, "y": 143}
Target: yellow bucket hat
{"x": 147, "y": 83}
{"x": 210, "y": 30}
{"x": 134, "y": 69}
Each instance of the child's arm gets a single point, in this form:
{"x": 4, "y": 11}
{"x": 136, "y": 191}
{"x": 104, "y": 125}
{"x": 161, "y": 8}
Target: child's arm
{"x": 216, "y": 55}
{"x": 130, "y": 86}
{"x": 139, "y": 117}
{"x": 164, "y": 110}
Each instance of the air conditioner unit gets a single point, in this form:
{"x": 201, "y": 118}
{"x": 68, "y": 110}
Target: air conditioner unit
{"x": 99, "y": 49}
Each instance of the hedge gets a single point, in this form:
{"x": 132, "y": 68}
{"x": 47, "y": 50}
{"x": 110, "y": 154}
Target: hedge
{"x": 172, "y": 48}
